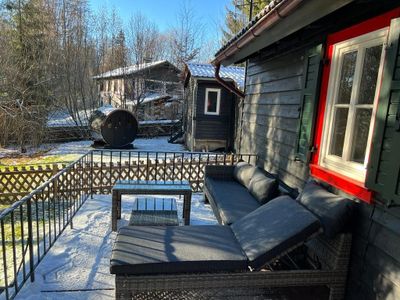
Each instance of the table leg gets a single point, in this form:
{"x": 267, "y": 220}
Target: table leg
{"x": 187, "y": 199}
{"x": 114, "y": 212}
{"x": 119, "y": 205}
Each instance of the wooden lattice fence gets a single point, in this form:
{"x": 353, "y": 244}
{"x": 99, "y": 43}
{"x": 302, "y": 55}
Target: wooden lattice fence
{"x": 16, "y": 182}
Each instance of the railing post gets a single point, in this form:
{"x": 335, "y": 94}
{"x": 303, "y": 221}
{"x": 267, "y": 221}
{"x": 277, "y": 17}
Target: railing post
{"x": 30, "y": 239}
{"x": 91, "y": 175}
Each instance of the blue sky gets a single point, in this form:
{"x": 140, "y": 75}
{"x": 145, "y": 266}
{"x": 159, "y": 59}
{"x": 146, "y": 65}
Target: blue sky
{"x": 163, "y": 12}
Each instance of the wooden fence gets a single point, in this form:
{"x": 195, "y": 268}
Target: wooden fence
{"x": 16, "y": 182}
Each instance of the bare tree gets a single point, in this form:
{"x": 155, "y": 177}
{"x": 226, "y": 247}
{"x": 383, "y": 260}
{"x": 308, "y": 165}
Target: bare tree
{"x": 186, "y": 36}
{"x": 144, "y": 39}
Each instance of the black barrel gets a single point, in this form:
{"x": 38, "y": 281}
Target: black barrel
{"x": 113, "y": 126}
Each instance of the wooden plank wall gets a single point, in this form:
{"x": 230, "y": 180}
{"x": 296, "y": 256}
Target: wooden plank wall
{"x": 271, "y": 114}
{"x": 269, "y": 129}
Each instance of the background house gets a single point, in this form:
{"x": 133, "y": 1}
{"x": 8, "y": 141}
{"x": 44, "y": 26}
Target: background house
{"x": 323, "y": 100}
{"x": 209, "y": 108}
{"x": 152, "y": 90}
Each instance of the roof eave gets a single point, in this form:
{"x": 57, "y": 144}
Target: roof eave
{"x": 285, "y": 19}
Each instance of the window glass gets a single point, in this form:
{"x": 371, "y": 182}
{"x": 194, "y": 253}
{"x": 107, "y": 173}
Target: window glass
{"x": 361, "y": 133}
{"x": 339, "y": 129}
{"x": 370, "y": 74}
{"x": 347, "y": 76}
{"x": 212, "y": 101}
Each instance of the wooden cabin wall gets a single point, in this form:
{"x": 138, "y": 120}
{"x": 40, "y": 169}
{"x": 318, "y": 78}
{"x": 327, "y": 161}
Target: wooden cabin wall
{"x": 269, "y": 128}
{"x": 271, "y": 115}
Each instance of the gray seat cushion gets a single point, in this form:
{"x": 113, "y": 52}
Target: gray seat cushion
{"x": 232, "y": 199}
{"x": 333, "y": 211}
{"x": 273, "y": 229}
{"x": 243, "y": 173}
{"x": 177, "y": 249}
{"x": 263, "y": 188}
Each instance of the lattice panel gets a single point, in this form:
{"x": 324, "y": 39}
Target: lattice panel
{"x": 17, "y": 182}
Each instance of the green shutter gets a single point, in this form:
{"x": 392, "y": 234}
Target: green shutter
{"x": 384, "y": 161}
{"x": 308, "y": 108}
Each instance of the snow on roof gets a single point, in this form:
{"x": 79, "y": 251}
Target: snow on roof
{"x": 207, "y": 71}
{"x": 131, "y": 69}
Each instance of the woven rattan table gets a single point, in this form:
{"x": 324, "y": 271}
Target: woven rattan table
{"x": 154, "y": 212}
{"x": 150, "y": 187}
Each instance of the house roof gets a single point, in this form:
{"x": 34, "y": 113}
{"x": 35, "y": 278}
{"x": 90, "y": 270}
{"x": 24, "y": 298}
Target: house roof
{"x": 277, "y": 20}
{"x": 198, "y": 70}
{"x": 133, "y": 69}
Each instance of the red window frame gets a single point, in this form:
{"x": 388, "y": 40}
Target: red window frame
{"x": 344, "y": 183}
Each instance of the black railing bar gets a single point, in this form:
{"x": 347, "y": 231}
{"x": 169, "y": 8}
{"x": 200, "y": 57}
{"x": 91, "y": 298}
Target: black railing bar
{"x": 37, "y": 225}
{"x": 170, "y": 152}
{"x": 3, "y": 245}
{"x": 49, "y": 218}
{"x": 14, "y": 251}
{"x": 21, "y": 215}
{"x": 30, "y": 241}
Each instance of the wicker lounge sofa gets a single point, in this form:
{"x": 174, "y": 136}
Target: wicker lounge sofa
{"x": 153, "y": 262}
{"x": 235, "y": 191}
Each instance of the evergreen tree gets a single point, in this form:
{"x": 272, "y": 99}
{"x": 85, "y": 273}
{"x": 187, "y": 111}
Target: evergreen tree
{"x": 238, "y": 15}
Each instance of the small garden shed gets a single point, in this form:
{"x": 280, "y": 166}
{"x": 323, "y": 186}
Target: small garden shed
{"x": 209, "y": 108}
{"x": 322, "y": 100}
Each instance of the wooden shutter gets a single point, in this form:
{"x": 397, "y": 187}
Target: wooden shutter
{"x": 308, "y": 108}
{"x": 384, "y": 161}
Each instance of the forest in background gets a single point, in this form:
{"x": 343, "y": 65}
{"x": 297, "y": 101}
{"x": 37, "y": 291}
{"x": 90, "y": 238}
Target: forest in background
{"x": 51, "y": 49}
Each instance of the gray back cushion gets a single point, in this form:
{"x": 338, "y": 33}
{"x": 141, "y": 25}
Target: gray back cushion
{"x": 273, "y": 229}
{"x": 243, "y": 173}
{"x": 263, "y": 188}
{"x": 332, "y": 210}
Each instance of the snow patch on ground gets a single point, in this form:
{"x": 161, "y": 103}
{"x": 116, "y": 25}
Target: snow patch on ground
{"x": 77, "y": 266}
{"x": 81, "y": 147}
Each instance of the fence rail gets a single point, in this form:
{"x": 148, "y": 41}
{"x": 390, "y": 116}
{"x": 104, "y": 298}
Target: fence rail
{"x": 30, "y": 226}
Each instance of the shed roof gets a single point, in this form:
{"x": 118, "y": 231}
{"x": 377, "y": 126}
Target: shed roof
{"x": 124, "y": 71}
{"x": 199, "y": 70}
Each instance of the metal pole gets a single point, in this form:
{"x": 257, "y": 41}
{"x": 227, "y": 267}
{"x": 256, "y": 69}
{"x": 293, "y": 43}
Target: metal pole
{"x": 30, "y": 239}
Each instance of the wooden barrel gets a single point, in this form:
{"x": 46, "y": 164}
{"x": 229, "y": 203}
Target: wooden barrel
{"x": 113, "y": 126}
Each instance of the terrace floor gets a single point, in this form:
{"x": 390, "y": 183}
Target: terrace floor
{"x": 77, "y": 266}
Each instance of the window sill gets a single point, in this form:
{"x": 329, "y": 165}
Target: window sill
{"x": 346, "y": 184}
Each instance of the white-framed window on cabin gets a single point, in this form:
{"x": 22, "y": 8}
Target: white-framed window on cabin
{"x": 353, "y": 90}
{"x": 212, "y": 101}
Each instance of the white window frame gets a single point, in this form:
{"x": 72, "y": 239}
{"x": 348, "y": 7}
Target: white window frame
{"x": 206, "y": 112}
{"x": 343, "y": 165}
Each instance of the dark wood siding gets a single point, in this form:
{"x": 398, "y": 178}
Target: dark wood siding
{"x": 212, "y": 127}
{"x": 271, "y": 114}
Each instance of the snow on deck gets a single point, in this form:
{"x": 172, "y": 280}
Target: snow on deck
{"x": 77, "y": 266}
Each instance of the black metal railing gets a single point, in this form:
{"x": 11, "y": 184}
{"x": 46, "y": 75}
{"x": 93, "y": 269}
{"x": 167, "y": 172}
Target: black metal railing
{"x": 31, "y": 225}
{"x": 109, "y": 166}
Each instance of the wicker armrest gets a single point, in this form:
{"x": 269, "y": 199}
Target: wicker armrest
{"x": 220, "y": 172}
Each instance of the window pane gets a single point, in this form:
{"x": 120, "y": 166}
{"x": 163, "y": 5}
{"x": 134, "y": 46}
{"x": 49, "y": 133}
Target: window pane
{"x": 339, "y": 130}
{"x": 370, "y": 74}
{"x": 212, "y": 102}
{"x": 361, "y": 132}
{"x": 347, "y": 76}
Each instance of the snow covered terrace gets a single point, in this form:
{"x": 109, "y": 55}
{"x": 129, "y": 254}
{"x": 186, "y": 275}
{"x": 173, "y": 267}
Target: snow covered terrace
{"x": 68, "y": 219}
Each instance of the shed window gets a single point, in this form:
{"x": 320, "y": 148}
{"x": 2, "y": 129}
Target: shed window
{"x": 353, "y": 90}
{"x": 212, "y": 101}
